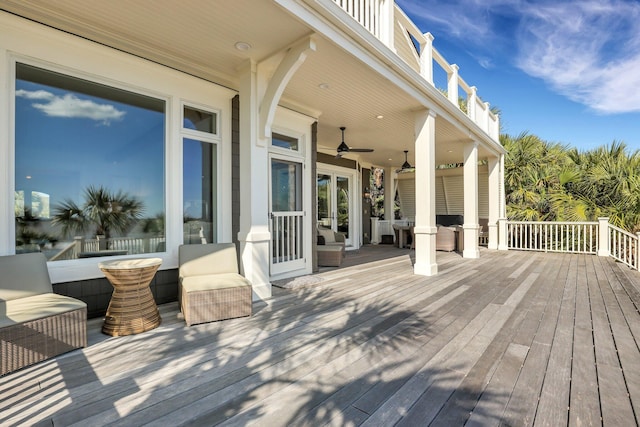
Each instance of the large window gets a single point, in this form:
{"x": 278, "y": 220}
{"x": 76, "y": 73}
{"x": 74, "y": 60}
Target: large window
{"x": 199, "y": 176}
{"x": 89, "y": 167}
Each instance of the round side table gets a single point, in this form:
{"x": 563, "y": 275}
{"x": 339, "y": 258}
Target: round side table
{"x": 132, "y": 309}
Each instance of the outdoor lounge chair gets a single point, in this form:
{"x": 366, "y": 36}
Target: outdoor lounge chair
{"x": 35, "y": 323}
{"x": 210, "y": 286}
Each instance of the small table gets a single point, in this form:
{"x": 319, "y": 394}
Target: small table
{"x": 132, "y": 309}
{"x": 403, "y": 231}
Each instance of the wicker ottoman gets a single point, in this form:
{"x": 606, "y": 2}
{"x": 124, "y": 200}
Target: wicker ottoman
{"x": 211, "y": 298}
{"x": 329, "y": 256}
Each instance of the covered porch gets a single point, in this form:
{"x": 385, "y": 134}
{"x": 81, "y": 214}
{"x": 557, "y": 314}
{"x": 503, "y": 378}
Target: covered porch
{"x": 519, "y": 338}
{"x": 284, "y": 77}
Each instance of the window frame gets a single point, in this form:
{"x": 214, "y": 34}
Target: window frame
{"x": 44, "y": 47}
{"x": 209, "y": 138}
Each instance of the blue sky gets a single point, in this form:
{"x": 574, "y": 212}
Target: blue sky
{"x": 67, "y": 141}
{"x": 566, "y": 71}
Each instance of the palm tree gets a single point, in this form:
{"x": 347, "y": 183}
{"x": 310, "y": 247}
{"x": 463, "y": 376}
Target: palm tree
{"x": 106, "y": 211}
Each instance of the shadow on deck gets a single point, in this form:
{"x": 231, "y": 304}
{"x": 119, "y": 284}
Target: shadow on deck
{"x": 513, "y": 338}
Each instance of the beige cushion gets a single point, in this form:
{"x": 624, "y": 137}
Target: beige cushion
{"x": 216, "y": 281}
{"x": 328, "y": 235}
{"x": 23, "y": 275}
{"x": 330, "y": 248}
{"x": 36, "y": 307}
{"x": 213, "y": 258}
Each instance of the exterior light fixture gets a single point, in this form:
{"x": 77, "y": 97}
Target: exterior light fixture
{"x": 243, "y": 46}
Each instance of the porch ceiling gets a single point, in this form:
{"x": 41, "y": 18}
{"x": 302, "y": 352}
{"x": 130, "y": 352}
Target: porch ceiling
{"x": 199, "y": 37}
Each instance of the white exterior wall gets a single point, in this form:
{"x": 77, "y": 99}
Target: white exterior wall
{"x": 34, "y": 44}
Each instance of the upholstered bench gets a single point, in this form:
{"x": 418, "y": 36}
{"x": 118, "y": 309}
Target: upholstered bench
{"x": 35, "y": 323}
{"x": 330, "y": 256}
{"x": 210, "y": 286}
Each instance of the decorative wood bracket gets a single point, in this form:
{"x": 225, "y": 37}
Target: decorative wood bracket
{"x": 293, "y": 59}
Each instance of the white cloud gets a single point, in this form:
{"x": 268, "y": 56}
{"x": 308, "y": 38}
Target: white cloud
{"x": 587, "y": 51}
{"x": 70, "y": 106}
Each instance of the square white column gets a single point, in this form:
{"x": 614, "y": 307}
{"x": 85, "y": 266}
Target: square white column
{"x": 471, "y": 226}
{"x": 425, "y": 226}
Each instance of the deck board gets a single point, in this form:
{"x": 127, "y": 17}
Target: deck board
{"x": 512, "y": 338}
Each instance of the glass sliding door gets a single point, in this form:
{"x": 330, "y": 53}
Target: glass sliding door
{"x": 335, "y": 205}
{"x": 325, "y": 205}
{"x": 343, "y": 205}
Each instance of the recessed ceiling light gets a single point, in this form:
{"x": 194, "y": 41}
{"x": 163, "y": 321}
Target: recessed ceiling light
{"x": 243, "y": 46}
{"x": 323, "y": 85}
{"x": 380, "y": 116}
{"x": 389, "y": 159}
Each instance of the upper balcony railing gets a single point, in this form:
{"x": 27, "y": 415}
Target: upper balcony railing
{"x": 385, "y": 20}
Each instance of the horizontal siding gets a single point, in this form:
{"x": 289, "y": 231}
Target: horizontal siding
{"x": 449, "y": 196}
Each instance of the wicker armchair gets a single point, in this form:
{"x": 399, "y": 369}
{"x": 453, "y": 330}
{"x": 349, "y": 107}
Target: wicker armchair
{"x": 210, "y": 286}
{"x": 35, "y": 323}
{"x": 446, "y": 239}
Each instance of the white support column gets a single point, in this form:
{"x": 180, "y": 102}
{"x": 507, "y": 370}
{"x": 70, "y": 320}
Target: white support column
{"x": 426, "y": 58}
{"x": 425, "y": 226}
{"x": 389, "y": 194}
{"x": 503, "y": 201}
{"x": 603, "y": 236}
{"x": 453, "y": 84}
{"x": 471, "y": 225}
{"x": 254, "y": 235}
{"x": 260, "y": 90}
{"x": 494, "y": 200}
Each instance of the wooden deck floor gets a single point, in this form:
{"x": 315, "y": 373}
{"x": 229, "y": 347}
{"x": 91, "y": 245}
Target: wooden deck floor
{"x": 513, "y": 338}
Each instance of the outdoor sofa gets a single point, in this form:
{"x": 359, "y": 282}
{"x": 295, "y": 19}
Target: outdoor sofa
{"x": 35, "y": 323}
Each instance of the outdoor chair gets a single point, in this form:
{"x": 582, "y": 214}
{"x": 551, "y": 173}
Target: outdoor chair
{"x": 330, "y": 247}
{"x": 35, "y": 323}
{"x": 211, "y": 288}
{"x": 446, "y": 239}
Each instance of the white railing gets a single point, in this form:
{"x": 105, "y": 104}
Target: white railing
{"x": 80, "y": 247}
{"x": 623, "y": 246}
{"x": 380, "y": 17}
{"x": 286, "y": 235}
{"x": 601, "y": 238}
{"x": 366, "y": 12}
{"x": 572, "y": 237}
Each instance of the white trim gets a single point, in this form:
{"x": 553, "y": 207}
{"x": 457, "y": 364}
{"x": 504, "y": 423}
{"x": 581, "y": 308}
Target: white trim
{"x": 355, "y": 190}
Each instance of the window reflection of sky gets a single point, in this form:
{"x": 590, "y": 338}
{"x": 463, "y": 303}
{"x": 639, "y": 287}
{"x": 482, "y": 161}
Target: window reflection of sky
{"x": 122, "y": 149}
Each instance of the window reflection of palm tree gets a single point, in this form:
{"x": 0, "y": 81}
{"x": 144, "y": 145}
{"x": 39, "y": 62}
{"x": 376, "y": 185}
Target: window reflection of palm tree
{"x": 107, "y": 211}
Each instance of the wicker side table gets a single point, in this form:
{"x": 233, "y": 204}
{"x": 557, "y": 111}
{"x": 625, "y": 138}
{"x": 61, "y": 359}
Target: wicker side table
{"x": 132, "y": 309}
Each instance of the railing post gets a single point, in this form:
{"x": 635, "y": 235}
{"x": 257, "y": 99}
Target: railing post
{"x": 387, "y": 23}
{"x": 452, "y": 86}
{"x": 78, "y": 245}
{"x": 502, "y": 234}
{"x": 637, "y": 260}
{"x": 603, "y": 233}
{"x": 426, "y": 58}
{"x": 472, "y": 103}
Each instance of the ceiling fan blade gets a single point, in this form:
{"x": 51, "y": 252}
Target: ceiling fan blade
{"x": 361, "y": 150}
